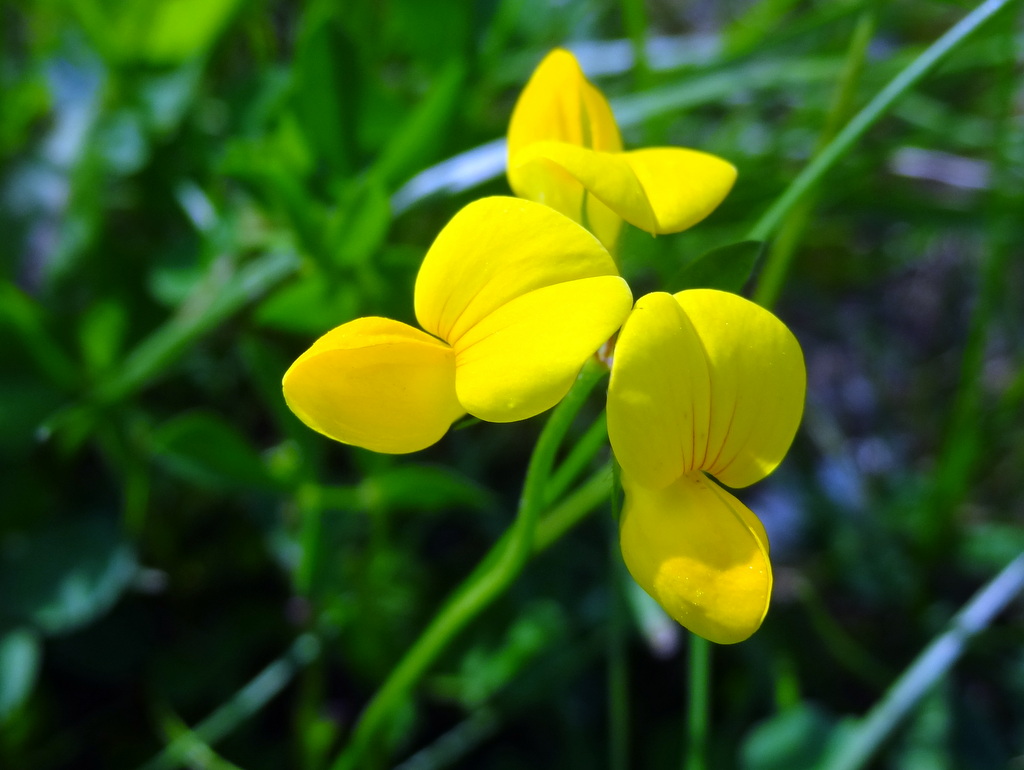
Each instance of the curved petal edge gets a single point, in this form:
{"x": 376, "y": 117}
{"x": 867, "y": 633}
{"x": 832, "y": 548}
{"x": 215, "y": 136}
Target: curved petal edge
{"x": 700, "y": 553}
{"x": 375, "y": 383}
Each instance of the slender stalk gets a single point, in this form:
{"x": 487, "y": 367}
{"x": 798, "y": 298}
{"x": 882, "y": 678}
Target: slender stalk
{"x": 246, "y": 702}
{"x": 780, "y": 256}
{"x": 634, "y": 18}
{"x": 699, "y": 701}
{"x": 589, "y": 495}
{"x": 869, "y": 115}
{"x": 589, "y": 444}
{"x": 618, "y": 665}
{"x": 367, "y": 747}
{"x": 929, "y": 667}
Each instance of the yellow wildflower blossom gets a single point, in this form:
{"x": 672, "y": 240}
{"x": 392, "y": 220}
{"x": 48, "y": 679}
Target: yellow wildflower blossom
{"x": 565, "y": 151}
{"x": 704, "y": 383}
{"x": 513, "y": 298}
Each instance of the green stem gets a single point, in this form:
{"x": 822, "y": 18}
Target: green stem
{"x": 618, "y": 666}
{"x": 931, "y": 665}
{"x": 634, "y": 18}
{"x": 368, "y": 746}
{"x": 699, "y": 699}
{"x": 588, "y": 496}
{"x": 867, "y": 117}
{"x": 780, "y": 256}
{"x": 246, "y": 702}
{"x": 583, "y": 451}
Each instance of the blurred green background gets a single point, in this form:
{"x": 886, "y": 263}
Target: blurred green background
{"x": 191, "y": 191}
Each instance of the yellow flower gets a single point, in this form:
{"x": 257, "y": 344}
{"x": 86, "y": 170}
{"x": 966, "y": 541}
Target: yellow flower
{"x": 703, "y": 383}
{"x": 515, "y": 298}
{"x": 564, "y": 150}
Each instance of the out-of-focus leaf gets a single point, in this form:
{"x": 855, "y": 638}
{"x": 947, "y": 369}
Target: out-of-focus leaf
{"x": 423, "y": 488}
{"x": 276, "y": 166}
{"x": 65, "y": 576}
{"x": 727, "y": 268}
{"x": 265, "y": 365}
{"x": 121, "y": 141}
{"x": 22, "y": 314}
{"x": 223, "y": 292}
{"x": 20, "y": 653}
{"x": 181, "y": 29}
{"x": 415, "y": 26}
{"x": 485, "y": 671}
{"x": 326, "y": 85}
{"x": 171, "y": 285}
{"x": 25, "y": 101}
{"x": 988, "y": 547}
{"x": 925, "y": 743}
{"x": 24, "y": 403}
{"x": 412, "y": 146}
{"x": 755, "y": 24}
{"x": 101, "y": 335}
{"x": 203, "y": 448}
{"x": 796, "y": 737}
{"x": 164, "y": 97}
{"x": 310, "y": 306}
{"x": 163, "y": 32}
{"x": 362, "y": 223}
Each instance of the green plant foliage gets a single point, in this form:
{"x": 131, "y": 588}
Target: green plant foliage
{"x": 20, "y": 653}
{"x": 727, "y": 268}
{"x": 193, "y": 191}
{"x": 64, "y": 576}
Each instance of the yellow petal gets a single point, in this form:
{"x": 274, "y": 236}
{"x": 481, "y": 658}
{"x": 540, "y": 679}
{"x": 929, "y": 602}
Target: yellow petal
{"x": 700, "y": 553}
{"x": 659, "y": 393}
{"x": 559, "y": 104}
{"x": 523, "y": 358}
{"x": 375, "y": 383}
{"x": 546, "y": 172}
{"x": 704, "y": 381}
{"x": 495, "y": 250}
{"x": 758, "y": 382}
{"x": 660, "y": 190}
{"x": 682, "y": 186}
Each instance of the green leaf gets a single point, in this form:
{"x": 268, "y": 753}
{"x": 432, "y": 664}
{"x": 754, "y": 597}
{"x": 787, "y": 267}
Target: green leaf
{"x": 20, "y": 654}
{"x": 486, "y": 670}
{"x": 182, "y": 29}
{"x": 361, "y": 224}
{"x": 423, "y": 488}
{"x": 162, "y": 32}
{"x": 101, "y": 334}
{"x": 202, "y": 448}
{"x": 414, "y": 143}
{"x": 23, "y": 316}
{"x": 326, "y": 87}
{"x": 988, "y": 546}
{"x": 223, "y": 291}
{"x": 65, "y": 576}
{"x": 797, "y": 737}
{"x": 727, "y": 268}
{"x": 309, "y": 306}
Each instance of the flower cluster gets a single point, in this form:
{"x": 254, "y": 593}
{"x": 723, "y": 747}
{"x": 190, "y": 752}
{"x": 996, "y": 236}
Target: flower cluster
{"x": 516, "y": 294}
